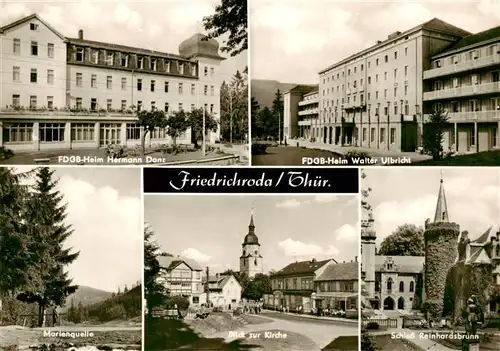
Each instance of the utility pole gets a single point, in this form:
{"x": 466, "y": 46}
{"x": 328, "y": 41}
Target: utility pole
{"x": 203, "y": 145}
{"x": 279, "y": 128}
{"x": 230, "y": 116}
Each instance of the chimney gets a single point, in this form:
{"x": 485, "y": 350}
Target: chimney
{"x": 80, "y": 34}
{"x": 379, "y": 42}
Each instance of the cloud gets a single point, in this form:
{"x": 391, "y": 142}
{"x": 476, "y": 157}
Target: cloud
{"x": 107, "y": 232}
{"x": 395, "y": 203}
{"x": 296, "y": 248}
{"x": 195, "y": 255}
{"x": 347, "y": 233}
{"x": 296, "y": 203}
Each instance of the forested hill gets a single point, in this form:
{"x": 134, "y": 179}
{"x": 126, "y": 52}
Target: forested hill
{"x": 118, "y": 307}
{"x": 86, "y": 296}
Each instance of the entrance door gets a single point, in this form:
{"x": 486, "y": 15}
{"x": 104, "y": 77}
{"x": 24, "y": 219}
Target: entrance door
{"x": 330, "y": 136}
{"x": 109, "y": 134}
{"x": 342, "y": 305}
{"x": 401, "y": 303}
{"x": 388, "y": 303}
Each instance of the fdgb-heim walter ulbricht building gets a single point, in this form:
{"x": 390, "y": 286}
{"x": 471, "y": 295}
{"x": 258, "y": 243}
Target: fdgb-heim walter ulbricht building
{"x": 59, "y": 92}
{"x": 382, "y": 96}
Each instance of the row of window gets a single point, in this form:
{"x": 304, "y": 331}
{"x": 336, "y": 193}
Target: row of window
{"x": 303, "y": 284}
{"x": 94, "y": 105}
{"x": 361, "y": 81}
{"x": 492, "y": 104}
{"x": 140, "y": 85}
{"x": 16, "y": 75}
{"x": 401, "y": 286}
{"x": 467, "y": 56}
{"x": 55, "y": 132}
{"x": 143, "y": 62}
{"x": 34, "y": 48}
{"x": 473, "y": 79}
{"x": 361, "y": 67}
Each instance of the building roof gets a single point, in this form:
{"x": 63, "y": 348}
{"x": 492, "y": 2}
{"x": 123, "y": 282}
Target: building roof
{"x": 441, "y": 214}
{"x": 340, "y": 271}
{"x": 434, "y": 24}
{"x": 303, "y": 89}
{"x": 200, "y": 45}
{"x": 217, "y": 282}
{"x": 479, "y": 256}
{"x": 124, "y": 48}
{"x": 470, "y": 40}
{"x": 303, "y": 267}
{"x": 251, "y": 238}
{"x": 403, "y": 264}
{"x": 29, "y": 18}
{"x": 169, "y": 263}
{"x": 487, "y": 235}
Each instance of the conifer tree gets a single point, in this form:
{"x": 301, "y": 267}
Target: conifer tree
{"x": 46, "y": 214}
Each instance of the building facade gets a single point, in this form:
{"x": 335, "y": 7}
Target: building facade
{"x": 223, "y": 291}
{"x": 182, "y": 276}
{"x": 464, "y": 81}
{"x": 59, "y": 92}
{"x": 295, "y": 119}
{"x": 454, "y": 269}
{"x": 251, "y": 261}
{"x": 382, "y": 96}
{"x": 337, "y": 287}
{"x": 294, "y": 286}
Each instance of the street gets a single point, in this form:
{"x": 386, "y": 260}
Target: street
{"x": 322, "y": 332}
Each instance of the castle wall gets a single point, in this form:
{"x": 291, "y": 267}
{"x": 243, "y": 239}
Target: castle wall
{"x": 440, "y": 254}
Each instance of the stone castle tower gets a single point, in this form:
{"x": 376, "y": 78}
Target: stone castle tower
{"x": 251, "y": 259}
{"x": 368, "y": 252}
{"x": 441, "y": 238}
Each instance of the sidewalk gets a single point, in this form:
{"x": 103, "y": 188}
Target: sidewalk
{"x": 342, "y": 320}
{"x": 375, "y": 153}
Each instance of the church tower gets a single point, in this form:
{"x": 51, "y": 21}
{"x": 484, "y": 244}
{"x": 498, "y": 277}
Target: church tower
{"x": 441, "y": 237}
{"x": 251, "y": 259}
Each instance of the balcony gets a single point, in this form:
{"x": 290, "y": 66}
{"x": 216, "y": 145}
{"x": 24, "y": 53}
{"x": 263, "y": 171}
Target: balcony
{"x": 469, "y": 90}
{"x": 464, "y": 66}
{"x": 68, "y": 113}
{"x": 348, "y": 119}
{"x": 308, "y": 102}
{"x": 306, "y": 122}
{"x": 479, "y": 116}
{"x": 312, "y": 111}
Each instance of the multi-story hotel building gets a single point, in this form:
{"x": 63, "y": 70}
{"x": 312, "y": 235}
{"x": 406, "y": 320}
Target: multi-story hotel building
{"x": 296, "y": 120}
{"x": 59, "y": 92}
{"x": 183, "y": 277}
{"x": 464, "y": 80}
{"x": 382, "y": 96}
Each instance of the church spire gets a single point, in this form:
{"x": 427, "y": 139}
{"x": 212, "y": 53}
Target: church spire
{"x": 441, "y": 214}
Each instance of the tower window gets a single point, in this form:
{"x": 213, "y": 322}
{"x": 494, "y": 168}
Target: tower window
{"x": 255, "y": 262}
{"x": 256, "y": 252}
{"x": 243, "y": 252}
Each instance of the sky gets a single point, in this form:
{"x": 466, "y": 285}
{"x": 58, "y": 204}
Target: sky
{"x": 292, "y": 40}
{"x": 151, "y": 24}
{"x": 210, "y": 229}
{"x": 105, "y": 211}
{"x": 409, "y": 195}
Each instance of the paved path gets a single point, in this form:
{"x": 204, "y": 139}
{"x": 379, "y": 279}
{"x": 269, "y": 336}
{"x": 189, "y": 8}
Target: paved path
{"x": 374, "y": 153}
{"x": 320, "y": 331}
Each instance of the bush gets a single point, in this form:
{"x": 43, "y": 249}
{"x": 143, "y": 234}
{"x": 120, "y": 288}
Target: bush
{"x": 237, "y": 312}
{"x": 367, "y": 341}
{"x": 217, "y": 309}
{"x": 354, "y": 153}
{"x": 259, "y": 149}
{"x": 5, "y": 153}
{"x": 372, "y": 326}
{"x": 181, "y": 302}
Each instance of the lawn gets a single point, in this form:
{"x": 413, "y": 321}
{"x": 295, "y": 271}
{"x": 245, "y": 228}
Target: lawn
{"x": 343, "y": 343}
{"x": 386, "y": 343}
{"x": 486, "y": 158}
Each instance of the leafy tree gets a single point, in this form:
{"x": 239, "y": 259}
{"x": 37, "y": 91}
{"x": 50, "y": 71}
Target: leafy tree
{"x": 433, "y": 135}
{"x": 195, "y": 121}
{"x": 230, "y": 18}
{"x": 268, "y": 123}
{"x": 155, "y": 292}
{"x": 176, "y": 124}
{"x": 257, "y": 287}
{"x": 365, "y": 193}
{"x": 254, "y": 110}
{"x": 14, "y": 254}
{"x": 150, "y": 120}
{"x": 49, "y": 282}
{"x": 406, "y": 240}
{"x": 125, "y": 290}
{"x": 234, "y": 107}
